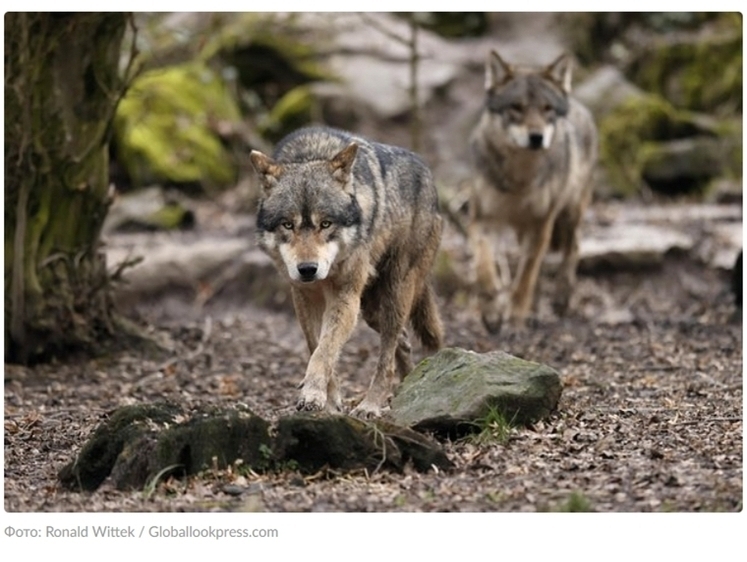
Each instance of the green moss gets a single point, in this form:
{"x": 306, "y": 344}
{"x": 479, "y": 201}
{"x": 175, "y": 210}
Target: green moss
{"x": 166, "y": 127}
{"x": 268, "y": 48}
{"x": 222, "y": 439}
{"x": 625, "y": 132}
{"x": 169, "y": 217}
{"x": 699, "y": 74}
{"x": 98, "y": 456}
{"x": 292, "y": 111}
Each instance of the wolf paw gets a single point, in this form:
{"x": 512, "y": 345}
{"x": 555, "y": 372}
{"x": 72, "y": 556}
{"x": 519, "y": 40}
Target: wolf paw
{"x": 367, "y": 411}
{"x": 311, "y": 401}
{"x": 492, "y": 322}
{"x": 560, "y": 304}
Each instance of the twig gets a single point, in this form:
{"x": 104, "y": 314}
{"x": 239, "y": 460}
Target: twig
{"x": 199, "y": 350}
{"x": 717, "y": 420}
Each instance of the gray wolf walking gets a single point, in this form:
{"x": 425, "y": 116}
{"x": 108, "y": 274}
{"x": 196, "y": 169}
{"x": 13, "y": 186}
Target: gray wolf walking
{"x": 354, "y": 226}
{"x": 534, "y": 151}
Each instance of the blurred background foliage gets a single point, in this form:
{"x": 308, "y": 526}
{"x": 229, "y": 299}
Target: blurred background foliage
{"x": 213, "y": 86}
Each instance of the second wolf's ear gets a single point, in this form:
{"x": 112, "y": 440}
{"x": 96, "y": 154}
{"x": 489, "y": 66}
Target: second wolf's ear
{"x": 342, "y": 163}
{"x": 497, "y": 71}
{"x": 561, "y": 72}
{"x": 269, "y": 171}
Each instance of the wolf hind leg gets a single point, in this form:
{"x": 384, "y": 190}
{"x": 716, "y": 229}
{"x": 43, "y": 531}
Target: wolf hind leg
{"x": 426, "y": 321}
{"x": 395, "y": 305}
{"x": 403, "y": 354}
{"x": 566, "y": 239}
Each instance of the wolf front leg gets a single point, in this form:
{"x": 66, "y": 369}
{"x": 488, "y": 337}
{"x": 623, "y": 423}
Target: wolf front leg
{"x": 327, "y": 327}
{"x": 489, "y": 282}
{"x": 534, "y": 239}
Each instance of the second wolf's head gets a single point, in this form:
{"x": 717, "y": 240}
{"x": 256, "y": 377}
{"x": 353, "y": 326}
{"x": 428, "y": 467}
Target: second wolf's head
{"x": 523, "y": 104}
{"x": 308, "y": 213}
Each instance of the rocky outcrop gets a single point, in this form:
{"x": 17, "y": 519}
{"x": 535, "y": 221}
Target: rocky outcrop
{"x": 139, "y": 444}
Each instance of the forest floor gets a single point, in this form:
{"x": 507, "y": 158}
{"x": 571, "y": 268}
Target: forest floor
{"x": 650, "y": 417}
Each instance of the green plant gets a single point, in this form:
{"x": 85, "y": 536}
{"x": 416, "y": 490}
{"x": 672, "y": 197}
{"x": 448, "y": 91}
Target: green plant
{"x": 575, "y": 503}
{"x": 152, "y": 484}
{"x": 494, "y": 427}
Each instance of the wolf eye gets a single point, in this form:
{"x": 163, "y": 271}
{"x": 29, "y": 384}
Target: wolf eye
{"x": 517, "y": 107}
{"x": 288, "y": 225}
{"x": 325, "y": 224}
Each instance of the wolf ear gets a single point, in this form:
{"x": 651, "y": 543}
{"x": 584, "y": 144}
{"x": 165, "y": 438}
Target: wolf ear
{"x": 497, "y": 71}
{"x": 560, "y": 72}
{"x": 342, "y": 163}
{"x": 269, "y": 171}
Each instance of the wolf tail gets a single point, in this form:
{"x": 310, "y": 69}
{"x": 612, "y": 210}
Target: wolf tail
{"x": 426, "y": 321}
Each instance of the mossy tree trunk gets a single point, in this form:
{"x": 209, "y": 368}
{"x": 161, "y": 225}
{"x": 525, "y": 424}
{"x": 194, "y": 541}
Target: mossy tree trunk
{"x": 62, "y": 84}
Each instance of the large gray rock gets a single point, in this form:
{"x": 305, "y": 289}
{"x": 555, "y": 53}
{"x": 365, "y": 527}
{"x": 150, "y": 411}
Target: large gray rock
{"x": 450, "y": 391}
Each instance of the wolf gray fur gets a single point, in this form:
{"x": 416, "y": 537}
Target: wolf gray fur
{"x": 354, "y": 226}
{"x": 534, "y": 150}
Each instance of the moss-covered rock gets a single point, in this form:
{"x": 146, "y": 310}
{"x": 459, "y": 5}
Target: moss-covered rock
{"x": 309, "y": 442}
{"x": 140, "y": 444}
{"x": 294, "y": 110}
{"x": 687, "y": 165}
{"x": 699, "y": 72}
{"x": 453, "y": 389}
{"x": 148, "y": 210}
{"x": 271, "y": 54}
{"x": 168, "y": 126}
{"x": 628, "y": 131}
{"x": 99, "y": 455}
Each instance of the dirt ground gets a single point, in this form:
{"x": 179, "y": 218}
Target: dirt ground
{"x": 650, "y": 418}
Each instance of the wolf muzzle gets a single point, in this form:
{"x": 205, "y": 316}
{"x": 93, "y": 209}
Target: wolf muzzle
{"x": 307, "y": 271}
{"x": 536, "y": 141}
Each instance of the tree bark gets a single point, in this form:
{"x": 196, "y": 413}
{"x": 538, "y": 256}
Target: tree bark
{"x": 62, "y": 85}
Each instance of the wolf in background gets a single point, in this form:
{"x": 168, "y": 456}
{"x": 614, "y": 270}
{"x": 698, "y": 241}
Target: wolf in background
{"x": 534, "y": 151}
{"x": 354, "y": 226}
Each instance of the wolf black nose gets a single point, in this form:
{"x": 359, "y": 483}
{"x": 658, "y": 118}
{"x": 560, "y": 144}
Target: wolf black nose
{"x": 535, "y": 140}
{"x": 307, "y": 270}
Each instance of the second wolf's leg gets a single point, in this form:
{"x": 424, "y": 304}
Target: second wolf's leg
{"x": 567, "y": 232}
{"x": 568, "y": 235}
{"x": 394, "y": 310}
{"x": 534, "y": 240}
{"x": 493, "y": 301}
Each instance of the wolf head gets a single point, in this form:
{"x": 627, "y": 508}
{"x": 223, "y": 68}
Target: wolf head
{"x": 525, "y": 103}
{"x": 308, "y": 213}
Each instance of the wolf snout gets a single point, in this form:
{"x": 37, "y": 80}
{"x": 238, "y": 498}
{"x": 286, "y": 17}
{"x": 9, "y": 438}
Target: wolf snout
{"x": 536, "y": 141}
{"x": 307, "y": 271}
